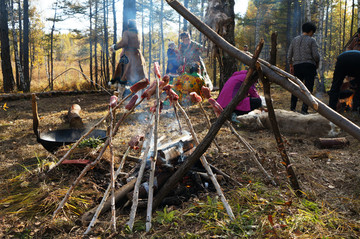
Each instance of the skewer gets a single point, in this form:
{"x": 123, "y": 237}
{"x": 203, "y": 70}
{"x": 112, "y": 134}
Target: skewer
{"x": 206, "y": 165}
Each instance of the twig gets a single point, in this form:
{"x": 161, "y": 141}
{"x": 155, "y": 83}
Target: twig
{"x": 178, "y": 119}
{"x": 275, "y": 128}
{"x": 106, "y": 194}
{"x": 252, "y": 151}
{"x": 209, "y": 124}
{"x": 153, "y": 161}
{"x": 206, "y": 165}
{"x": 135, "y": 201}
{"x": 112, "y": 182}
{"x": 69, "y": 152}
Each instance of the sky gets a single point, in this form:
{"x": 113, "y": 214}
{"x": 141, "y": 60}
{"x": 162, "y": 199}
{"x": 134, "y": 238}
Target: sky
{"x": 46, "y": 12}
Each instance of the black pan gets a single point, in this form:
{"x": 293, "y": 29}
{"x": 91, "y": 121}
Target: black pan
{"x": 52, "y": 140}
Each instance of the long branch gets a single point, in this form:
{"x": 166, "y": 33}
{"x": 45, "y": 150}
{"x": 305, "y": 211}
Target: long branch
{"x": 322, "y": 109}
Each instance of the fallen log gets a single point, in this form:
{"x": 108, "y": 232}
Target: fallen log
{"x": 73, "y": 116}
{"x": 273, "y": 76}
{"x": 332, "y": 143}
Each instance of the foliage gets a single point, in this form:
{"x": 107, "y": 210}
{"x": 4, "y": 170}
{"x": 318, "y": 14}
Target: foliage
{"x": 91, "y": 142}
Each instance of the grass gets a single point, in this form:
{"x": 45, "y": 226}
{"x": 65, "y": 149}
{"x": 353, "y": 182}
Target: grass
{"x": 260, "y": 212}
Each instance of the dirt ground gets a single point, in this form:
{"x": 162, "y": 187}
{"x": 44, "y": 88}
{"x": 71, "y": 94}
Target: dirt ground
{"x": 329, "y": 174}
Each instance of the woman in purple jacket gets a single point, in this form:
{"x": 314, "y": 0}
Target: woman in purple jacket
{"x": 231, "y": 87}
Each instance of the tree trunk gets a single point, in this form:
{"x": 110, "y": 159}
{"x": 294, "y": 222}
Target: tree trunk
{"x": 344, "y": 25}
{"x": 91, "y": 46}
{"x": 352, "y": 17}
{"x": 142, "y": 29}
{"x": 150, "y": 40}
{"x": 162, "y": 37}
{"x": 19, "y": 75}
{"x": 96, "y": 45}
{"x": 8, "y": 77}
{"x": 320, "y": 84}
{"x": 26, "y": 46}
{"x": 307, "y": 11}
{"x": 288, "y": 31}
{"x": 106, "y": 44}
{"x": 113, "y": 55}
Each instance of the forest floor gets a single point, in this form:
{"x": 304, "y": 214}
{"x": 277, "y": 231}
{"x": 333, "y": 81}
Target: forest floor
{"x": 329, "y": 179}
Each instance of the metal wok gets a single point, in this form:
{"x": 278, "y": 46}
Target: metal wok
{"x": 52, "y": 140}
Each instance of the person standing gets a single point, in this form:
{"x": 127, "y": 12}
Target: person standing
{"x": 131, "y": 67}
{"x": 190, "y": 52}
{"x": 303, "y": 57}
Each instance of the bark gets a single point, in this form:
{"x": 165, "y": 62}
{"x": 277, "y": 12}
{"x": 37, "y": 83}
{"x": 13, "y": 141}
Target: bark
{"x": 8, "y": 77}
{"x": 106, "y": 44}
{"x": 150, "y": 39}
{"x": 91, "y": 45}
{"x": 320, "y": 84}
{"x": 113, "y": 55}
{"x": 162, "y": 37}
{"x": 26, "y": 47}
{"x": 95, "y": 45}
{"x": 344, "y": 25}
{"x": 19, "y": 72}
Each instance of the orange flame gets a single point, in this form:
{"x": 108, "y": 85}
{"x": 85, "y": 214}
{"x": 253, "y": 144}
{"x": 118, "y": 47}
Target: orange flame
{"x": 349, "y": 101}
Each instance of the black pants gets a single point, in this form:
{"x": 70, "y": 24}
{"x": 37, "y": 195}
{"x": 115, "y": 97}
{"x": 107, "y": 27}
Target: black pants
{"x": 306, "y": 72}
{"x": 347, "y": 64}
{"x": 255, "y": 103}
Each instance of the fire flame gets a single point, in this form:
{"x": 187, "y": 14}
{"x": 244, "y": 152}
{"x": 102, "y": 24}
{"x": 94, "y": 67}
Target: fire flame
{"x": 349, "y": 101}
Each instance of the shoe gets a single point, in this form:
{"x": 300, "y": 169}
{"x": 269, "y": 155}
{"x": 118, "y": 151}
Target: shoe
{"x": 304, "y": 112}
{"x": 233, "y": 118}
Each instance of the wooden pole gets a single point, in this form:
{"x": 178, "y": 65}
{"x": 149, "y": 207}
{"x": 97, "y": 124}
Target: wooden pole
{"x": 206, "y": 165}
{"x": 274, "y": 125}
{"x": 153, "y": 160}
{"x": 209, "y": 124}
{"x": 106, "y": 194}
{"x": 273, "y": 76}
{"x": 135, "y": 201}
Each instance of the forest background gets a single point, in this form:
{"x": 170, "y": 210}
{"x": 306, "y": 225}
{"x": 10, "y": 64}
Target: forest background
{"x": 46, "y": 55}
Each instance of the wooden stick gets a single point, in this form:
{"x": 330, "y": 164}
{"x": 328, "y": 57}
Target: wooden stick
{"x": 153, "y": 161}
{"x": 106, "y": 194}
{"x": 135, "y": 201}
{"x": 209, "y": 124}
{"x": 273, "y": 76}
{"x": 207, "y": 140}
{"x": 275, "y": 127}
{"x": 252, "y": 151}
{"x": 225, "y": 175}
{"x": 112, "y": 182}
{"x": 68, "y": 153}
{"x": 206, "y": 165}
{"x": 178, "y": 119}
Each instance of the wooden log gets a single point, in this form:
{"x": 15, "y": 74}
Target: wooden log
{"x": 119, "y": 195}
{"x": 74, "y": 118}
{"x": 332, "y": 143}
{"x": 272, "y": 75}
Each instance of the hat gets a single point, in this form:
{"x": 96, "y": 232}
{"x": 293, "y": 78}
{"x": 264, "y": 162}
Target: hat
{"x": 170, "y": 43}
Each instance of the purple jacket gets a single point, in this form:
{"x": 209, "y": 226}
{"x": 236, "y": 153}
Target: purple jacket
{"x": 230, "y": 89}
